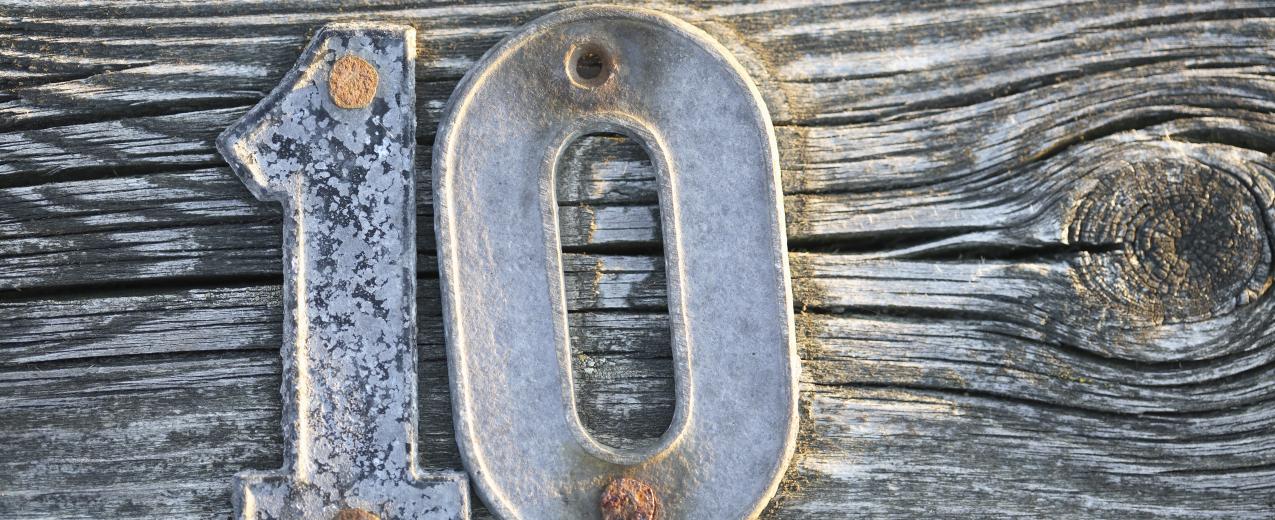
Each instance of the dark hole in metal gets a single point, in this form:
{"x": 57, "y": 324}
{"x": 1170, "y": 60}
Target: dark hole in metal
{"x": 589, "y": 65}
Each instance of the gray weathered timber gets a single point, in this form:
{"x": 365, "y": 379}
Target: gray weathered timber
{"x": 973, "y": 194}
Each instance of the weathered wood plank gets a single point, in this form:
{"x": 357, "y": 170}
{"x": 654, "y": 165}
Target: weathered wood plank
{"x": 979, "y": 456}
{"x": 608, "y": 297}
{"x": 1143, "y": 410}
{"x": 1033, "y": 252}
{"x": 202, "y": 223}
{"x": 144, "y": 428}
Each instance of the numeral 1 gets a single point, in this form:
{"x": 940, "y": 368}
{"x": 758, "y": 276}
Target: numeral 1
{"x": 335, "y": 144}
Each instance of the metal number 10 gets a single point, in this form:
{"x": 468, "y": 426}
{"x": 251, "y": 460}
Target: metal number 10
{"x": 671, "y": 87}
{"x": 334, "y": 143}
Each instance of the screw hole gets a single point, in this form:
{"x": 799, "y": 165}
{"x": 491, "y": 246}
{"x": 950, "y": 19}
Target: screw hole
{"x": 589, "y": 65}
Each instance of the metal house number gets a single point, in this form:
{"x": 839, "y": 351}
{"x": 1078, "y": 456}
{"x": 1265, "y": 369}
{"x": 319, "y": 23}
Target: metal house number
{"x": 334, "y": 143}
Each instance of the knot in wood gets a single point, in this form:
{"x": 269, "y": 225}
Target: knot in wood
{"x": 628, "y": 498}
{"x": 352, "y": 83}
{"x": 1171, "y": 241}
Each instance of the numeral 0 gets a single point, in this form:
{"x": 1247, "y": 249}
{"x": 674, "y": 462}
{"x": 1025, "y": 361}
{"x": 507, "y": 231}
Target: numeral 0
{"x": 671, "y": 87}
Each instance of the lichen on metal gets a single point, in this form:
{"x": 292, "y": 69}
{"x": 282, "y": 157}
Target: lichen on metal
{"x": 671, "y": 87}
{"x": 343, "y": 171}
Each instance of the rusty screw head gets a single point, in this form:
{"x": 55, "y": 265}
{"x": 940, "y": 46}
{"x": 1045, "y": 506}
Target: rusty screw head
{"x": 351, "y": 513}
{"x": 628, "y": 498}
{"x": 352, "y": 83}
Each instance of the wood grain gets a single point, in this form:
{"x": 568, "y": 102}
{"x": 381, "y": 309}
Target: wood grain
{"x": 1031, "y": 245}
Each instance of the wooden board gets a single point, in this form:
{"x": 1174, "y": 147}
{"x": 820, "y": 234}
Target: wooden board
{"x": 1031, "y": 245}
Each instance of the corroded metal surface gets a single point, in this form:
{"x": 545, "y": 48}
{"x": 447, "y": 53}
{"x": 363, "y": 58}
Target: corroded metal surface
{"x": 345, "y": 179}
{"x": 671, "y": 87}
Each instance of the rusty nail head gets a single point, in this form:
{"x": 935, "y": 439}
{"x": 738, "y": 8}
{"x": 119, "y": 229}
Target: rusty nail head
{"x": 627, "y": 498}
{"x": 352, "y": 83}
{"x": 355, "y": 514}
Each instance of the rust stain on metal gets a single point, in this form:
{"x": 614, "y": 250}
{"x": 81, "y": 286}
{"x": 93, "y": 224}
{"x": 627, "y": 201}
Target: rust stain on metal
{"x": 628, "y": 498}
{"x": 355, "y": 514}
{"x": 352, "y": 83}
